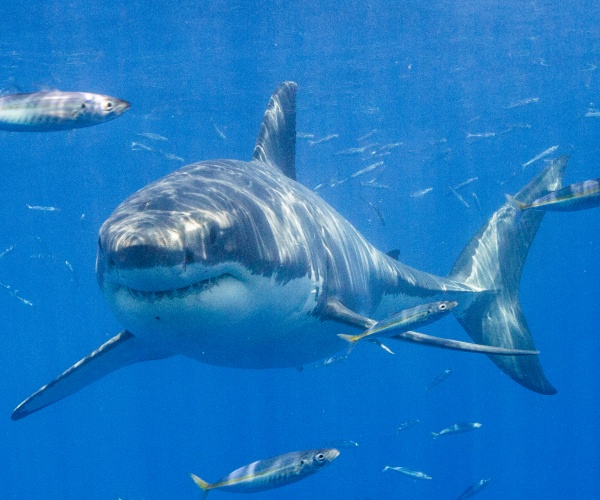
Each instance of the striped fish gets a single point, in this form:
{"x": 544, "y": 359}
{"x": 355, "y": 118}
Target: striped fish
{"x": 271, "y": 472}
{"x": 415, "y": 317}
{"x": 52, "y": 111}
{"x": 579, "y": 196}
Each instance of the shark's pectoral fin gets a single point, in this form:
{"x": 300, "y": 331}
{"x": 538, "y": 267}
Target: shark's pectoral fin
{"x": 122, "y": 350}
{"x": 457, "y": 345}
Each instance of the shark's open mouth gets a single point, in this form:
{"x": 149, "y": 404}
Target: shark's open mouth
{"x": 194, "y": 288}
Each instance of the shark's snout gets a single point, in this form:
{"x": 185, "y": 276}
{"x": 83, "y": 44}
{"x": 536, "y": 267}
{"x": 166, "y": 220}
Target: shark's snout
{"x": 146, "y": 256}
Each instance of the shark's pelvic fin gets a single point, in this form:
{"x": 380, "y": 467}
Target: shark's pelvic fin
{"x": 493, "y": 260}
{"x": 336, "y": 311}
{"x": 457, "y": 345}
{"x": 276, "y": 143}
{"x": 122, "y": 350}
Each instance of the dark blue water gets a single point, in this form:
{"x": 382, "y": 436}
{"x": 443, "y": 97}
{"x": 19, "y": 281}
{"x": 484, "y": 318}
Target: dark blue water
{"x": 427, "y": 74}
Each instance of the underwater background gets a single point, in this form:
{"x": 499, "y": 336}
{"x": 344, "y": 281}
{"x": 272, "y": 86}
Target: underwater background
{"x": 458, "y": 89}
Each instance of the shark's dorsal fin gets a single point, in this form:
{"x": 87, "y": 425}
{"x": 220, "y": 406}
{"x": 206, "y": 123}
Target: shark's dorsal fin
{"x": 276, "y": 143}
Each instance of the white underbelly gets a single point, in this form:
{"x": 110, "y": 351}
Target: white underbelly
{"x": 258, "y": 324}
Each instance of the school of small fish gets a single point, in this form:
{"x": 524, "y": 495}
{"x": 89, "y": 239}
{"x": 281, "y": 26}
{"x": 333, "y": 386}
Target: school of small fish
{"x": 58, "y": 111}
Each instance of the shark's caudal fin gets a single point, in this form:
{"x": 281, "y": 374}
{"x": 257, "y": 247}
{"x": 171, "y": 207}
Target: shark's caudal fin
{"x": 276, "y": 143}
{"x": 493, "y": 260}
{"x": 122, "y": 350}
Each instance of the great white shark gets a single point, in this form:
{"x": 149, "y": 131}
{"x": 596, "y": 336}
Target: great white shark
{"x": 235, "y": 263}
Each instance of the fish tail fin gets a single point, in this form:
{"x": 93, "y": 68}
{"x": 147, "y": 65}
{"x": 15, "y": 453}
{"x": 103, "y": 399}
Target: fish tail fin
{"x": 434, "y": 435}
{"x": 348, "y": 338}
{"x": 493, "y": 261}
{"x": 202, "y": 484}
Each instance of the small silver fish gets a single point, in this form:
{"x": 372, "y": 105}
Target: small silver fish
{"x": 138, "y": 146}
{"x": 408, "y": 472}
{"x": 152, "y": 136}
{"x": 54, "y": 111}
{"x": 579, "y": 196}
{"x": 327, "y": 138}
{"x": 458, "y": 196}
{"x": 41, "y": 208}
{"x": 369, "y": 168}
{"x": 543, "y": 154}
{"x": 473, "y": 489}
{"x": 374, "y": 184}
{"x": 218, "y": 131}
{"x": 421, "y": 192}
{"x": 376, "y": 210}
{"x": 465, "y": 183}
{"x": 523, "y": 102}
{"x": 457, "y": 428}
{"x": 271, "y": 472}
{"x": 331, "y": 361}
{"x": 15, "y": 294}
{"x": 480, "y": 135}
{"x": 391, "y": 145}
{"x": 367, "y": 135}
{"x": 405, "y": 320}
{"x": 477, "y": 204}
{"x": 171, "y": 156}
{"x": 7, "y": 251}
{"x": 353, "y": 151}
{"x": 439, "y": 379}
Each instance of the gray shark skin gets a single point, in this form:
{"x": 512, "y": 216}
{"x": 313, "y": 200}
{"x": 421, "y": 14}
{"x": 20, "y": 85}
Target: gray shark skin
{"x": 234, "y": 263}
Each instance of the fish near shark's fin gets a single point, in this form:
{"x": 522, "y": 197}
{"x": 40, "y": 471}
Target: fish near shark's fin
{"x": 336, "y": 311}
{"x": 276, "y": 143}
{"x": 122, "y": 350}
{"x": 493, "y": 260}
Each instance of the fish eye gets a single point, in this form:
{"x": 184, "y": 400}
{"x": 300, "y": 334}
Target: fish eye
{"x": 443, "y": 307}
{"x": 108, "y": 105}
{"x": 320, "y": 457}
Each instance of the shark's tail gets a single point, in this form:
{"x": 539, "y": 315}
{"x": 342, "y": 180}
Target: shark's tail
{"x": 493, "y": 260}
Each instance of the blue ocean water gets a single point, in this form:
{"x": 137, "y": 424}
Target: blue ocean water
{"x": 471, "y": 90}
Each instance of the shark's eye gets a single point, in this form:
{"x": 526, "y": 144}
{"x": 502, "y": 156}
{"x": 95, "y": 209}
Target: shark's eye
{"x": 213, "y": 234}
{"x": 443, "y": 307}
{"x": 320, "y": 457}
{"x": 189, "y": 257}
{"x": 108, "y": 105}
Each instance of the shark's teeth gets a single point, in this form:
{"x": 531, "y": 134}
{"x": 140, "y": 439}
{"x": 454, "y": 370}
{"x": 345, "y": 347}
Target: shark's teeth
{"x": 182, "y": 292}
